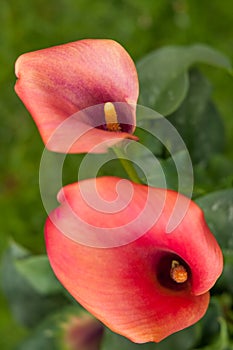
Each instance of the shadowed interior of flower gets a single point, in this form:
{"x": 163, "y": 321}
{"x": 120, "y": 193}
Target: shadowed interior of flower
{"x": 172, "y": 272}
{"x": 113, "y": 117}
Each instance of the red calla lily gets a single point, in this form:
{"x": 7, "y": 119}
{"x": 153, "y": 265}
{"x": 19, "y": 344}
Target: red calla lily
{"x": 58, "y": 82}
{"x": 144, "y": 290}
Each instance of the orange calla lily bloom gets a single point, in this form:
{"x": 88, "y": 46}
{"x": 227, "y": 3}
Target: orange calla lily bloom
{"x": 145, "y": 290}
{"x": 63, "y": 81}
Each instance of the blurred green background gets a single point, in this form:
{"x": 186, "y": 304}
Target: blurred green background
{"x": 140, "y": 26}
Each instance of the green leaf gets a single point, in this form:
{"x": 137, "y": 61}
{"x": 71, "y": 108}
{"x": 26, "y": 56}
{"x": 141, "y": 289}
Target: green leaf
{"x": 148, "y": 140}
{"x": 45, "y": 335}
{"x": 216, "y": 173}
{"x": 42, "y": 338}
{"x": 163, "y": 74}
{"x": 170, "y": 165}
{"x": 37, "y": 271}
{"x": 184, "y": 340}
{"x": 225, "y": 280}
{"x": 27, "y": 305}
{"x": 218, "y": 210}
{"x": 90, "y": 165}
{"x": 209, "y": 323}
{"x": 198, "y": 121}
{"x": 51, "y": 334}
{"x": 215, "y": 333}
{"x": 7, "y": 323}
{"x": 222, "y": 342}
{"x": 162, "y": 173}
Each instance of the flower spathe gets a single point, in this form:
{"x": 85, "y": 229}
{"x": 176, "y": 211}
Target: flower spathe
{"x": 61, "y": 81}
{"x": 144, "y": 290}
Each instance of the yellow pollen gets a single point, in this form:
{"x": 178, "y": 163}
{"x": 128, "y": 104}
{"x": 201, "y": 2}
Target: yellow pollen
{"x": 110, "y": 115}
{"x": 178, "y": 272}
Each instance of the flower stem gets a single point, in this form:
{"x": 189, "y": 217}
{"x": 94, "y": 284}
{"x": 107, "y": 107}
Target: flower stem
{"x": 127, "y": 165}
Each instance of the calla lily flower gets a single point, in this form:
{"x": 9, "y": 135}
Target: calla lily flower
{"x": 149, "y": 288}
{"x": 63, "y": 81}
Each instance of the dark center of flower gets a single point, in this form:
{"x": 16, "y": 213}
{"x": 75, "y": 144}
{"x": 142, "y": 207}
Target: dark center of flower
{"x": 110, "y": 116}
{"x": 173, "y": 272}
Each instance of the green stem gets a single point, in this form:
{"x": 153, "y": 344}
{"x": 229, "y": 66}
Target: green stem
{"x": 127, "y": 165}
